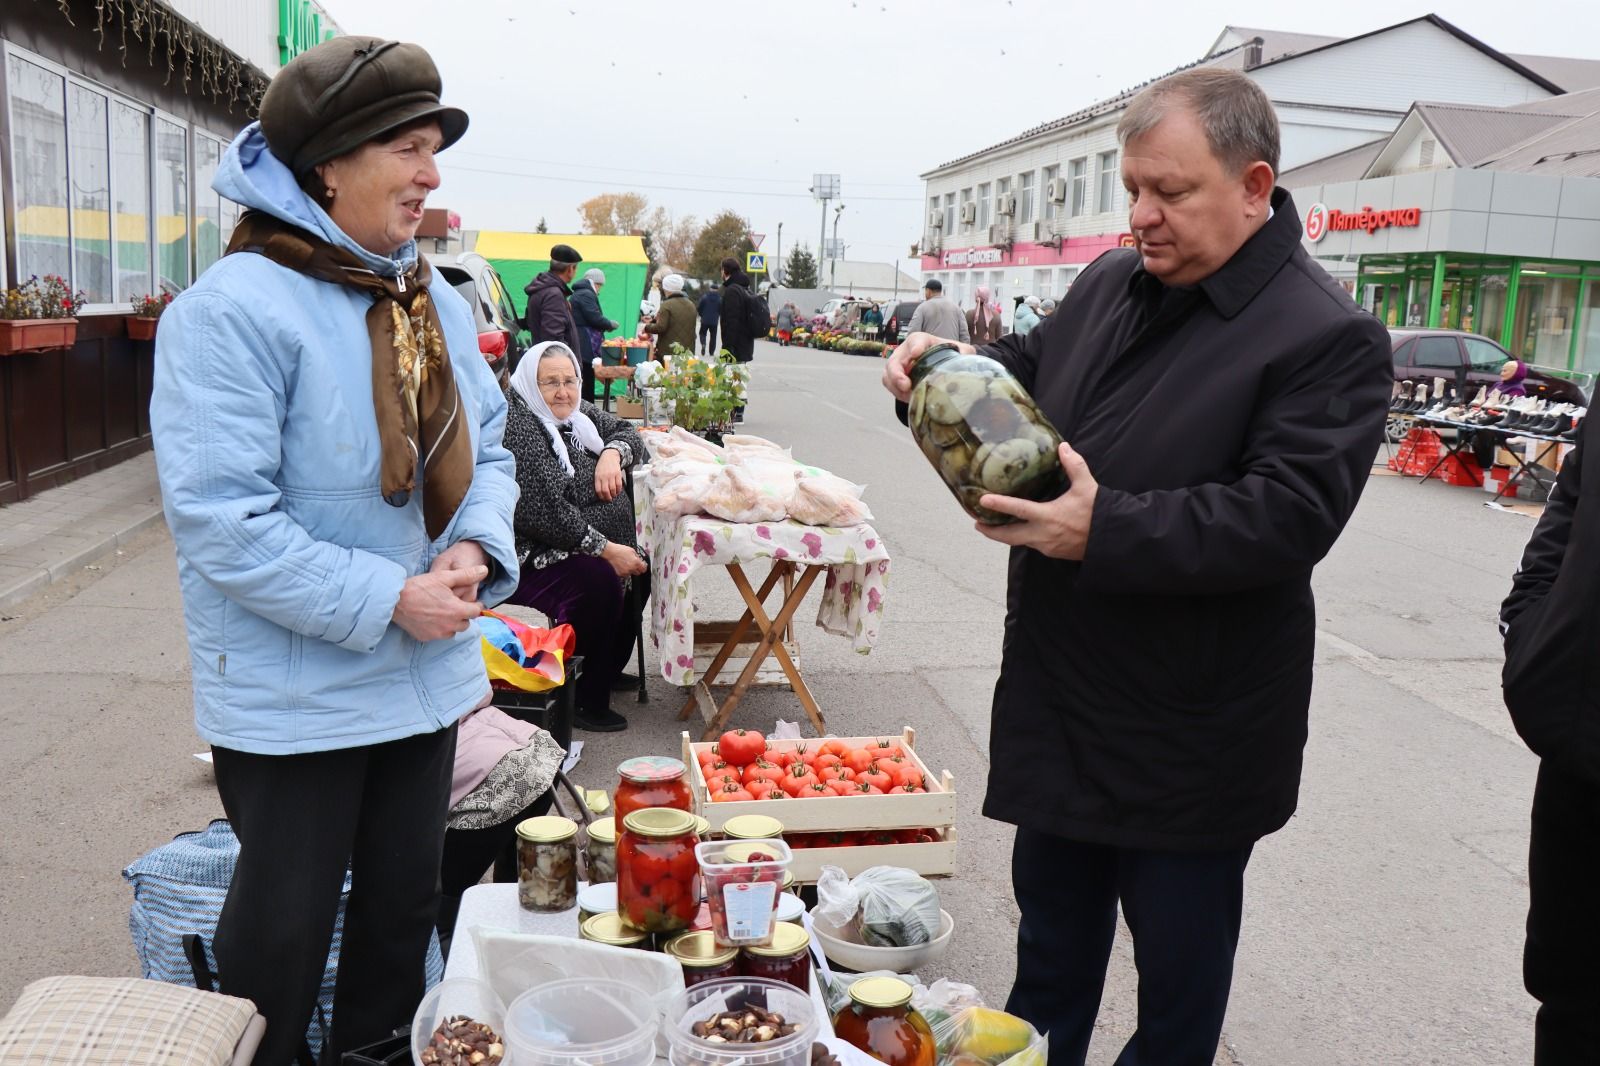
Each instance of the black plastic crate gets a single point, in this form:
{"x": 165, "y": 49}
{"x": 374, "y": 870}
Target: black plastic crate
{"x": 551, "y": 711}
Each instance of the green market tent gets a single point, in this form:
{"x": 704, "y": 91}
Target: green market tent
{"x": 520, "y": 257}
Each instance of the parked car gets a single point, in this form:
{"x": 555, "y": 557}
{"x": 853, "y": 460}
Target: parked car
{"x": 895, "y": 323}
{"x": 501, "y": 339}
{"x": 1470, "y": 361}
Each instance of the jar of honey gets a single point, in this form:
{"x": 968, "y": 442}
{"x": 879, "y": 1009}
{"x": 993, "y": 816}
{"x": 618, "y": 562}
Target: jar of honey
{"x": 880, "y": 1020}
{"x": 650, "y": 781}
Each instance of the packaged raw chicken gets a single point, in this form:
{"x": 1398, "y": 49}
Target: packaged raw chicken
{"x": 827, "y": 502}
{"x": 737, "y": 497}
{"x": 680, "y": 434}
{"x": 663, "y": 446}
{"x": 684, "y": 495}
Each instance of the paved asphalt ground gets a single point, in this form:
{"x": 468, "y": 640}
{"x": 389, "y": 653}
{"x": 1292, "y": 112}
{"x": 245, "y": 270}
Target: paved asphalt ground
{"x": 1382, "y": 925}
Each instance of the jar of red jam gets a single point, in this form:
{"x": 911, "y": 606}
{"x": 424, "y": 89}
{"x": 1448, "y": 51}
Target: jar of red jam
{"x": 786, "y": 959}
{"x": 702, "y": 958}
{"x": 651, "y": 781}
{"x": 656, "y": 870}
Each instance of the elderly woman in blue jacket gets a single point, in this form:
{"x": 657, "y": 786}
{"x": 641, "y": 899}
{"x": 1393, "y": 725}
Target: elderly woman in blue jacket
{"x": 329, "y": 445}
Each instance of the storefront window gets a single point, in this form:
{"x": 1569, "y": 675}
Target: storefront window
{"x": 984, "y": 217}
{"x": 1079, "y": 185}
{"x": 91, "y": 193}
{"x": 1064, "y": 282}
{"x": 949, "y": 212}
{"x": 1545, "y": 319}
{"x": 1025, "y": 197}
{"x": 172, "y": 204}
{"x": 207, "y": 204}
{"x": 1041, "y": 283}
{"x": 1490, "y": 315}
{"x": 39, "y": 156}
{"x": 130, "y": 165}
{"x": 1589, "y": 340}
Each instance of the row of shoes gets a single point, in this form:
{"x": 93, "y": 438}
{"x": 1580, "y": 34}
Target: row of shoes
{"x": 1489, "y": 409}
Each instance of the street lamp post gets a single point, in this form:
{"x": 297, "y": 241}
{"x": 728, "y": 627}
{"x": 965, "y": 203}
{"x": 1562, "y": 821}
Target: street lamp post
{"x": 777, "y": 267}
{"x": 833, "y": 267}
{"x": 824, "y": 187}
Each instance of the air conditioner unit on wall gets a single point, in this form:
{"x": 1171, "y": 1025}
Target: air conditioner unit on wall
{"x": 1006, "y": 205}
{"x": 1055, "y": 190}
{"x": 1041, "y": 230}
{"x": 998, "y": 233}
{"x": 936, "y": 220}
{"x": 969, "y": 213}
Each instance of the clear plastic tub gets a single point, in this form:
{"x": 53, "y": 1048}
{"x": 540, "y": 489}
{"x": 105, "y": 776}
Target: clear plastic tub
{"x": 706, "y": 1000}
{"x": 447, "y": 999}
{"x": 743, "y": 879}
{"x": 581, "y": 1022}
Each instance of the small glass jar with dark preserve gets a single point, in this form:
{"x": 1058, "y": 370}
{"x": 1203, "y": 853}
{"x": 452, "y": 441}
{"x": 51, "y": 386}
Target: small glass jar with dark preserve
{"x": 786, "y": 959}
{"x": 702, "y": 958}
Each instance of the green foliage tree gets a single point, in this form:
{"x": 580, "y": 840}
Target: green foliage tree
{"x": 726, "y": 234}
{"x": 542, "y": 228}
{"x": 800, "y": 269}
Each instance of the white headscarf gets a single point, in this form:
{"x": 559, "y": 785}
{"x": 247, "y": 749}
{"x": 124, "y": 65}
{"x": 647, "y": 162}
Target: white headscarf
{"x": 525, "y": 379}
{"x": 672, "y": 283}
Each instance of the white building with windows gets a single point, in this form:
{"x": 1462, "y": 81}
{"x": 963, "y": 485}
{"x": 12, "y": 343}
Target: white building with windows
{"x": 1024, "y": 216}
{"x": 112, "y": 123}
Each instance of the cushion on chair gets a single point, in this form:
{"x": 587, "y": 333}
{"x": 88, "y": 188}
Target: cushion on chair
{"x": 122, "y": 1021}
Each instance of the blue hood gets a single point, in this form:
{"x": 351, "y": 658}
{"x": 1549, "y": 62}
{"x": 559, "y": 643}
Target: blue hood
{"x": 251, "y": 175}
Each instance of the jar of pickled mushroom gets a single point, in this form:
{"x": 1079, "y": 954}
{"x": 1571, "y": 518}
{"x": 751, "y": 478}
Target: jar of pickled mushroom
{"x": 657, "y": 870}
{"x": 547, "y": 863}
{"x": 982, "y": 432}
{"x": 600, "y": 853}
{"x": 651, "y": 781}
{"x": 702, "y": 958}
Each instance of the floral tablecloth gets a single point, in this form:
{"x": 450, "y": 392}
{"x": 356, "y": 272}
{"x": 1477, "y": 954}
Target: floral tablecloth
{"x": 852, "y": 596}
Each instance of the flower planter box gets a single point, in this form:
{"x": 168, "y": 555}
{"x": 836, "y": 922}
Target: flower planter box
{"x": 36, "y": 334}
{"x": 141, "y": 328}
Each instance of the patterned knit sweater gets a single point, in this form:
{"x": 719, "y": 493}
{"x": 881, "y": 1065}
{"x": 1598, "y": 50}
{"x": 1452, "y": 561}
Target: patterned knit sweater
{"x": 558, "y": 514}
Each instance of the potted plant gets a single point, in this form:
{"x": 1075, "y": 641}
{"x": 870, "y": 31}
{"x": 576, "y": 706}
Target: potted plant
{"x": 700, "y": 393}
{"x": 40, "y": 314}
{"x": 146, "y": 311}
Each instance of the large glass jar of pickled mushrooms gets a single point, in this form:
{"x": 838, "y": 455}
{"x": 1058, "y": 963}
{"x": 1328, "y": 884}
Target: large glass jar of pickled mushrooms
{"x": 982, "y": 432}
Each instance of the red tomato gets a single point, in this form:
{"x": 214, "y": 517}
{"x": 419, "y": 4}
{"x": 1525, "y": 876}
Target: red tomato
{"x": 894, "y": 765}
{"x": 761, "y": 770}
{"x": 834, "y": 772}
{"x": 858, "y": 759}
{"x": 815, "y": 790}
{"x": 907, "y": 790}
{"x": 834, "y": 746}
{"x": 878, "y": 836}
{"x": 718, "y": 766}
{"x": 842, "y": 786}
{"x": 722, "y": 777}
{"x": 781, "y": 757}
{"x": 741, "y": 747}
{"x": 865, "y": 789}
{"x": 827, "y": 759}
{"x": 760, "y": 787}
{"x": 797, "y": 777}
{"x": 730, "y": 792}
{"x": 882, "y": 748}
{"x": 876, "y": 776}
{"x": 776, "y": 793}
{"x": 797, "y": 840}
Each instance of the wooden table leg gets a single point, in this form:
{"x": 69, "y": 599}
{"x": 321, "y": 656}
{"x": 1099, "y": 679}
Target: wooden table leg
{"x": 769, "y": 636}
{"x": 791, "y": 670}
{"x": 729, "y": 646}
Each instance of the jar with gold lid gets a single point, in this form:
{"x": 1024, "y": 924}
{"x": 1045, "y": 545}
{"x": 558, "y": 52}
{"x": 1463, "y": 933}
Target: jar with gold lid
{"x": 752, "y": 827}
{"x": 547, "y": 863}
{"x": 880, "y": 1020}
{"x": 657, "y": 870}
{"x": 651, "y": 781}
{"x": 600, "y": 853}
{"x": 787, "y": 958}
{"x": 607, "y": 927}
{"x": 702, "y": 958}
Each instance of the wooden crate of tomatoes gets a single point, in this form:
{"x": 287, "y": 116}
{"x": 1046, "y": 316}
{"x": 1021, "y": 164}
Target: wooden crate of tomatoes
{"x": 851, "y": 802}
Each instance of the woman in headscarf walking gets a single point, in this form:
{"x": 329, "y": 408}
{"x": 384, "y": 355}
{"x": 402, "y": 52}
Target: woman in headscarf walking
{"x": 983, "y": 321}
{"x": 574, "y": 523}
{"x": 328, "y": 442}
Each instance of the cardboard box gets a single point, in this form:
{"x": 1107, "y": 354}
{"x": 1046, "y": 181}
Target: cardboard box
{"x": 626, "y": 408}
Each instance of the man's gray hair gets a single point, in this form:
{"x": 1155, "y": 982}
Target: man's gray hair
{"x": 1239, "y": 121}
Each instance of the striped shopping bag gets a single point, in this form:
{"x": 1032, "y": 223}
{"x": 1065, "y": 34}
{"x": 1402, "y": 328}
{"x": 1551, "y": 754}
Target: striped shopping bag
{"x": 178, "y": 892}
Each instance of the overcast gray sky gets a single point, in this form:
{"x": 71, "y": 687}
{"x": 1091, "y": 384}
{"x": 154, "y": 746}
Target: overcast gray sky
{"x": 709, "y": 105}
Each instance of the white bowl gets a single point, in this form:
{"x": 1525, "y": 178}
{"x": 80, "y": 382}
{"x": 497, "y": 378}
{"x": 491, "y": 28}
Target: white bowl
{"x": 844, "y": 946}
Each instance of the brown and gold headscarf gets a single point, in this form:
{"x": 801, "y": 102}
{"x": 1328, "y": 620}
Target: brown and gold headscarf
{"x": 421, "y": 425}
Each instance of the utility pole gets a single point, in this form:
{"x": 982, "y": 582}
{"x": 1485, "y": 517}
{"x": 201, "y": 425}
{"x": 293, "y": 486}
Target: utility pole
{"x": 777, "y": 273}
{"x": 833, "y": 268}
{"x": 824, "y": 187}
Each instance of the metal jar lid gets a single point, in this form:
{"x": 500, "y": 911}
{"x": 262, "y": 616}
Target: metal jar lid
{"x": 659, "y": 822}
{"x": 752, "y": 827}
{"x": 608, "y": 928}
{"x": 702, "y": 826}
{"x": 603, "y": 830}
{"x": 791, "y": 939}
{"x": 745, "y": 852}
{"x": 599, "y": 898}
{"x": 699, "y": 950}
{"x": 650, "y": 769}
{"x": 881, "y": 992}
{"x": 549, "y": 829}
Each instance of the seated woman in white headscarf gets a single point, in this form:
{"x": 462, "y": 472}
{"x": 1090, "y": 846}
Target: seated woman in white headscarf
{"x": 574, "y": 524}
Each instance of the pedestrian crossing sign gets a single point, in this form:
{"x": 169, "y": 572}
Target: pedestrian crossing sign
{"x": 755, "y": 263}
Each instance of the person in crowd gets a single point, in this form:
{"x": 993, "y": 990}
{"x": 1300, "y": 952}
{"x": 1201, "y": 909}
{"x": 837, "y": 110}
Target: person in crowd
{"x": 737, "y": 340}
{"x": 674, "y": 322}
{"x": 581, "y": 563}
{"x": 1549, "y": 688}
{"x": 592, "y": 323}
{"x": 1026, "y": 316}
{"x": 1047, "y": 307}
{"x": 548, "y": 316}
{"x": 984, "y": 321}
{"x": 938, "y": 315}
{"x": 872, "y": 321}
{"x": 710, "y": 307}
{"x": 1155, "y": 676}
{"x": 785, "y": 319}
{"x": 1513, "y": 378}
{"x": 329, "y": 575}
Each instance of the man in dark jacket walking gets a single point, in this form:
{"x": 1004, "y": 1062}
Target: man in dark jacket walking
{"x": 736, "y": 336}
{"x": 548, "y": 317}
{"x": 1549, "y": 623}
{"x": 592, "y": 323}
{"x": 1223, "y": 399}
{"x": 710, "y": 308}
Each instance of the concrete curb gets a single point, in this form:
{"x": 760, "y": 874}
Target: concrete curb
{"x": 65, "y": 567}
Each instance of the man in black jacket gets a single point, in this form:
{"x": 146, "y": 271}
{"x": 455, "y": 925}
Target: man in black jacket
{"x": 735, "y": 312}
{"x": 548, "y": 317}
{"x": 1549, "y": 624}
{"x": 1223, "y": 399}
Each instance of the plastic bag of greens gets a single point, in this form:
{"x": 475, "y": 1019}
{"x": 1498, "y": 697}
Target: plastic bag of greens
{"x": 892, "y": 907}
{"x": 981, "y": 1036}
